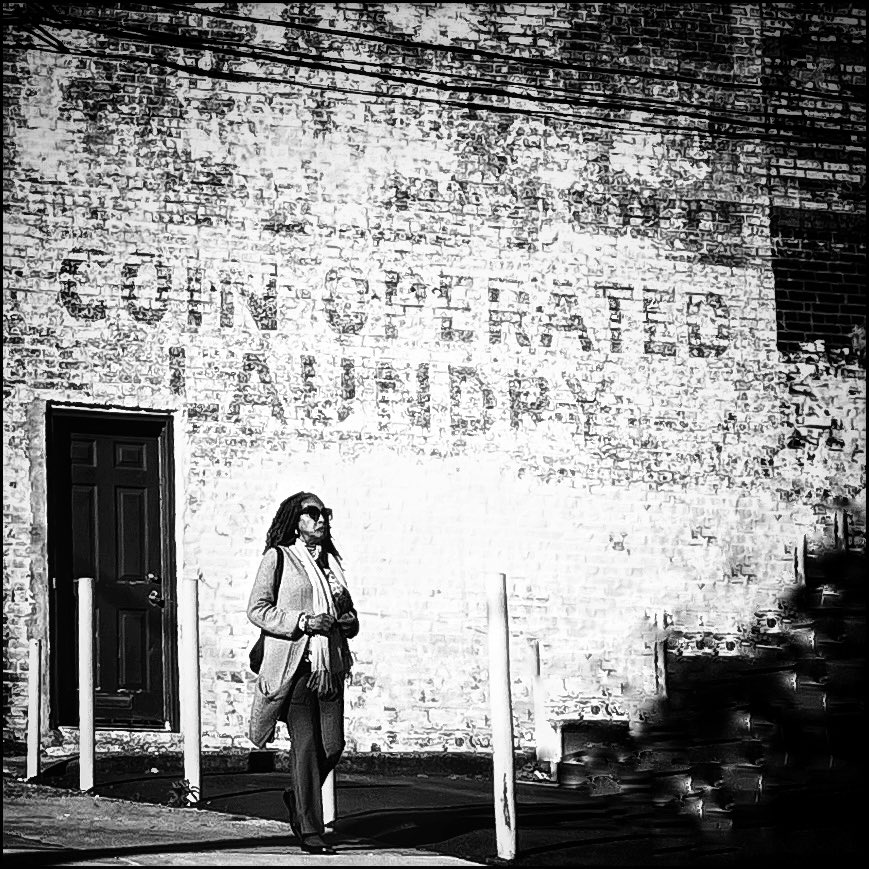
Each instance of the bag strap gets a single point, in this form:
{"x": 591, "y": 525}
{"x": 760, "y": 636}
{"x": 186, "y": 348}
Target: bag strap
{"x": 279, "y": 574}
{"x": 279, "y": 569}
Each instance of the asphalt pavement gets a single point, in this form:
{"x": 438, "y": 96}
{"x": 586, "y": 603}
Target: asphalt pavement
{"x": 405, "y": 820}
{"x": 49, "y": 826}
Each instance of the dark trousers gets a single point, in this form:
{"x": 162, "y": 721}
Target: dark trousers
{"x": 316, "y": 729}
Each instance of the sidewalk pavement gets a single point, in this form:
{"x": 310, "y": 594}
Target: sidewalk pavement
{"x": 44, "y": 826}
{"x": 406, "y": 817}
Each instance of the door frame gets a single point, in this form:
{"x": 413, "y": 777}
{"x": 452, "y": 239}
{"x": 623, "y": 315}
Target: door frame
{"x": 165, "y": 449}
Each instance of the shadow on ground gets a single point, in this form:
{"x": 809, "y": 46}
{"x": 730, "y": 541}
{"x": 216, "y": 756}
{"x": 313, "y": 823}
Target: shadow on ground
{"x": 59, "y": 856}
{"x": 752, "y": 758}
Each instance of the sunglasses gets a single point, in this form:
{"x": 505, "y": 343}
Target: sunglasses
{"x": 316, "y": 512}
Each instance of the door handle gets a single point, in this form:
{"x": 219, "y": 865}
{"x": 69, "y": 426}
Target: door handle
{"x": 153, "y": 577}
{"x": 156, "y": 599}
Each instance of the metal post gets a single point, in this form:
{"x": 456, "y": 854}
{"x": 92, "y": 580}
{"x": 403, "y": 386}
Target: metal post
{"x": 34, "y": 697}
{"x": 800, "y": 561}
{"x": 840, "y": 529}
{"x": 502, "y": 717}
{"x": 188, "y": 673}
{"x": 329, "y": 800}
{"x": 86, "y": 734}
{"x": 660, "y": 654}
{"x": 546, "y": 740}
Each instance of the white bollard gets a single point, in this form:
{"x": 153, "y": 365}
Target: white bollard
{"x": 840, "y": 530}
{"x": 34, "y": 698}
{"x": 86, "y": 735}
{"x": 188, "y": 672}
{"x": 800, "y": 561}
{"x": 502, "y": 717}
{"x": 329, "y": 800}
{"x": 660, "y": 647}
{"x": 546, "y": 739}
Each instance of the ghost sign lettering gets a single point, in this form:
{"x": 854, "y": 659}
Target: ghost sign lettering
{"x": 462, "y": 319}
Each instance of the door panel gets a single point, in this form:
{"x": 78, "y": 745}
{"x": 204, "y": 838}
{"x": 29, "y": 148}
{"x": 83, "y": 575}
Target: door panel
{"x": 131, "y": 511}
{"x": 108, "y": 485}
{"x": 132, "y": 651}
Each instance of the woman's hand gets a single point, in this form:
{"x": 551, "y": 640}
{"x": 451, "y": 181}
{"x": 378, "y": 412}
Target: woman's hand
{"x": 322, "y": 623}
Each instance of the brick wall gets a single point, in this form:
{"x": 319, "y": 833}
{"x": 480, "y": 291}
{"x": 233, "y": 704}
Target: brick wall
{"x": 820, "y": 278}
{"x": 815, "y": 70}
{"x": 491, "y": 340}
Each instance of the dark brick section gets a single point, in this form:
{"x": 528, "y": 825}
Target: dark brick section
{"x": 690, "y": 36}
{"x": 826, "y": 160}
{"x": 819, "y": 262}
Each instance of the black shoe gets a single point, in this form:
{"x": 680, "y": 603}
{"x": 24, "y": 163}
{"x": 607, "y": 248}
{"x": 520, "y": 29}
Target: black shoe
{"x": 313, "y": 844}
{"x": 290, "y": 803}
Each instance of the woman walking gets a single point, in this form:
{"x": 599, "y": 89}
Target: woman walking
{"x": 301, "y": 603}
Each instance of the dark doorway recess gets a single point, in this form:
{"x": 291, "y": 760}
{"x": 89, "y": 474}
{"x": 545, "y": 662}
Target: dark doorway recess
{"x": 110, "y": 517}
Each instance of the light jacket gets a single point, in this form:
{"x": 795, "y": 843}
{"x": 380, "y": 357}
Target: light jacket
{"x": 278, "y": 614}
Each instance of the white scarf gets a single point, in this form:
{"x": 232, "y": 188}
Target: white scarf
{"x": 330, "y": 656}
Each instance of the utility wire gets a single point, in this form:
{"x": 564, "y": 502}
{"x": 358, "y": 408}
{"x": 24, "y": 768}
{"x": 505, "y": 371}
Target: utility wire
{"x": 269, "y": 55}
{"x": 475, "y": 52}
{"x": 330, "y": 65}
{"x": 668, "y": 77}
{"x": 574, "y": 118}
{"x": 613, "y": 124}
{"x": 826, "y": 97}
{"x": 609, "y": 105}
{"x": 48, "y": 37}
{"x": 552, "y": 95}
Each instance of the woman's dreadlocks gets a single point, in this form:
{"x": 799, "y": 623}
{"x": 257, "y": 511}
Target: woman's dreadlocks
{"x": 285, "y": 527}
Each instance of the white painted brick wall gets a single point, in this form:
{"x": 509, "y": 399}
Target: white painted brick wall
{"x": 635, "y": 484}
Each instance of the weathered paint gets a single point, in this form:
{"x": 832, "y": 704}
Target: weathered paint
{"x": 489, "y": 341}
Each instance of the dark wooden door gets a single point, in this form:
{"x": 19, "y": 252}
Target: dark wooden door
{"x": 108, "y": 484}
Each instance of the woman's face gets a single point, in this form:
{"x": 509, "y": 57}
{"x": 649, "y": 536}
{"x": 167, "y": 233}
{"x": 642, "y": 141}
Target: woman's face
{"x": 312, "y": 530}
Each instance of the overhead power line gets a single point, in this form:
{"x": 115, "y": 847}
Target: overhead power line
{"x": 612, "y": 123}
{"x": 334, "y": 65}
{"x": 480, "y": 85}
{"x": 744, "y": 126}
{"x": 550, "y": 63}
{"x": 574, "y": 118}
{"x": 362, "y": 67}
